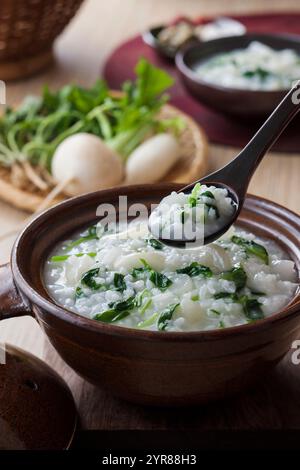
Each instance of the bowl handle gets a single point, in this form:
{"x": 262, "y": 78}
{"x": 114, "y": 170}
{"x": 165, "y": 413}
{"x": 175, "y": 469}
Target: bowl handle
{"x": 12, "y": 302}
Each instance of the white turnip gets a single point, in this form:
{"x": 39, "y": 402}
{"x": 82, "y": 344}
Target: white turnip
{"x": 152, "y": 159}
{"x": 85, "y": 164}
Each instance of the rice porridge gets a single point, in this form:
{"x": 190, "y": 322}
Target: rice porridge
{"x": 257, "y": 67}
{"x": 196, "y": 215}
{"x": 128, "y": 278}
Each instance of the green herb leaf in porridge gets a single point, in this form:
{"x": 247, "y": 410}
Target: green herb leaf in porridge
{"x": 143, "y": 300}
{"x": 160, "y": 280}
{"x": 137, "y": 272}
{"x": 146, "y": 265}
{"x": 252, "y": 248}
{"x": 90, "y": 234}
{"x": 216, "y": 312}
{"x": 141, "y": 296}
{"x": 60, "y": 258}
{"x": 252, "y": 308}
{"x": 156, "y": 244}
{"x": 119, "y": 282}
{"x": 196, "y": 269}
{"x": 89, "y": 279}
{"x": 79, "y": 293}
{"x": 208, "y": 194}
{"x": 127, "y": 304}
{"x": 149, "y": 321}
{"x": 117, "y": 310}
{"x": 236, "y": 275}
{"x": 226, "y": 295}
{"x": 165, "y": 316}
{"x": 111, "y": 316}
{"x": 211, "y": 207}
{"x": 193, "y": 198}
{"x": 145, "y": 307}
{"x": 258, "y": 293}
{"x": 259, "y": 72}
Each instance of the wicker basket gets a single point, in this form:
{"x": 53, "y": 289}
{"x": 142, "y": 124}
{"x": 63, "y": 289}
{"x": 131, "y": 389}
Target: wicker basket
{"x": 27, "y": 31}
{"x": 191, "y": 165}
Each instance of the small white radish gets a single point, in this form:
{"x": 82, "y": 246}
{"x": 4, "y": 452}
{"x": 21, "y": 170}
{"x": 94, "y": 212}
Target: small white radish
{"x": 152, "y": 159}
{"x": 86, "y": 163}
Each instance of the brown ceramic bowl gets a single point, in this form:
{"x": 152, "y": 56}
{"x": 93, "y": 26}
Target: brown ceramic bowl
{"x": 233, "y": 101}
{"x": 157, "y": 368}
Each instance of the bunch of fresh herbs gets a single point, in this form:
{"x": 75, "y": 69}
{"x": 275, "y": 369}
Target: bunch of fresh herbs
{"x": 34, "y": 130}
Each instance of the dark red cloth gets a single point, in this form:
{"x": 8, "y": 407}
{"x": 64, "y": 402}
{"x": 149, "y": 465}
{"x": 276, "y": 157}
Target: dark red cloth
{"x": 220, "y": 129}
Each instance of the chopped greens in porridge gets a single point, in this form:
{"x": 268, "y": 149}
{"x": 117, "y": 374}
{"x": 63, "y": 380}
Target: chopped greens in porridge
{"x": 126, "y": 277}
{"x": 257, "y": 67}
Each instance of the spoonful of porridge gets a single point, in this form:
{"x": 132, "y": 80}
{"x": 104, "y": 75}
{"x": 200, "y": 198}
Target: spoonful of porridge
{"x": 203, "y": 211}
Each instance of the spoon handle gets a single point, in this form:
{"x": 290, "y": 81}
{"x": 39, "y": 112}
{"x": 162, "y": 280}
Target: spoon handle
{"x": 239, "y": 171}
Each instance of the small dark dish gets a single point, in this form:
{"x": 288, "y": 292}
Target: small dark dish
{"x": 150, "y": 37}
{"x": 233, "y": 101}
{"x": 150, "y": 367}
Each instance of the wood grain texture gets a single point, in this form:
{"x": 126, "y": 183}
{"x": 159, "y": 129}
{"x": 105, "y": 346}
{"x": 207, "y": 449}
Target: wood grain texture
{"x": 261, "y": 407}
{"x": 80, "y": 54}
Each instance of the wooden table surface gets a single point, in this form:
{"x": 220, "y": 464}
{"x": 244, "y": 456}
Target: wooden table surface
{"x": 80, "y": 53}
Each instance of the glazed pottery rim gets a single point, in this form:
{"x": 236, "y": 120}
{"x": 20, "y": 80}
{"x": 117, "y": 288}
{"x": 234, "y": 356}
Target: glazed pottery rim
{"x": 194, "y": 77}
{"x": 50, "y": 306}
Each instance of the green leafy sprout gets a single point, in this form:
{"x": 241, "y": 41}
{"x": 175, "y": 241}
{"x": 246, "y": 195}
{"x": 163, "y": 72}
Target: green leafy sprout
{"x": 34, "y": 130}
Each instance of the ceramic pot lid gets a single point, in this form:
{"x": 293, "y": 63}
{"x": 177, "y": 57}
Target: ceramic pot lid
{"x": 37, "y": 410}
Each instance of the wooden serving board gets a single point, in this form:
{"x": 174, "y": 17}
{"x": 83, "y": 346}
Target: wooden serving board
{"x": 272, "y": 404}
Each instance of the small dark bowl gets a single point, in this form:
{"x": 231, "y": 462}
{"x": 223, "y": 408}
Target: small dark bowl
{"x": 150, "y": 367}
{"x": 233, "y": 101}
{"x": 150, "y": 37}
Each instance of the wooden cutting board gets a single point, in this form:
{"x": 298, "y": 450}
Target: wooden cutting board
{"x": 272, "y": 404}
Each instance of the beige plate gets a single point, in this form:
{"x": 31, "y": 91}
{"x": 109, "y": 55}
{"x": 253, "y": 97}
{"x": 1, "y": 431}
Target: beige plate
{"x": 191, "y": 165}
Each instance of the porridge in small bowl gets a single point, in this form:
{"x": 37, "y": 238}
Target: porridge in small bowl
{"x": 256, "y": 67}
